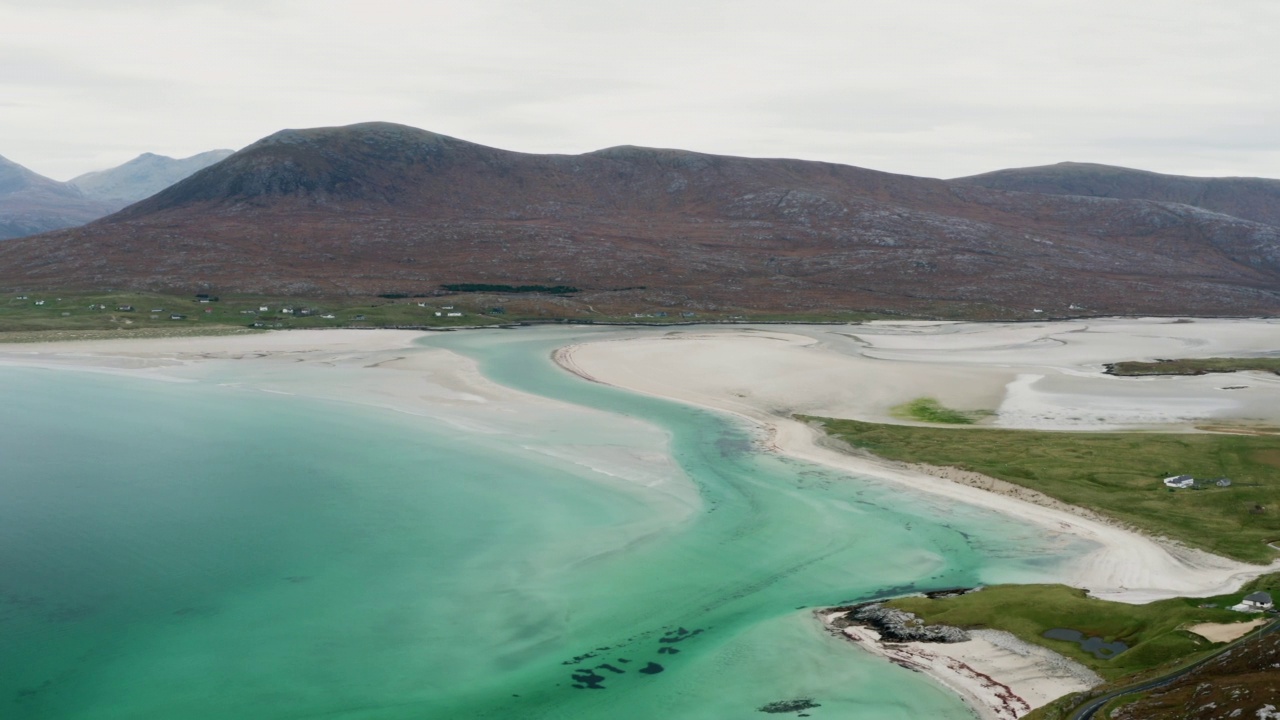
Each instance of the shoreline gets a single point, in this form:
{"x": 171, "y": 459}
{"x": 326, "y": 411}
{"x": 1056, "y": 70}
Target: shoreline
{"x": 1125, "y": 565}
{"x": 997, "y": 675}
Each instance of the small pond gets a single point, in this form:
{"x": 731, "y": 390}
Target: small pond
{"x": 1098, "y": 647}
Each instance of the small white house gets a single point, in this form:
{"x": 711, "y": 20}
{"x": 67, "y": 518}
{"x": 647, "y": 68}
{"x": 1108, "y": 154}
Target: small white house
{"x": 1259, "y": 601}
{"x": 439, "y": 314}
{"x": 1255, "y": 602}
{"x": 264, "y": 308}
{"x": 455, "y": 314}
{"x": 328, "y": 316}
{"x": 1180, "y": 482}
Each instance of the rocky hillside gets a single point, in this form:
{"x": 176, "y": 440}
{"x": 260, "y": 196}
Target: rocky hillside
{"x": 1244, "y": 683}
{"x": 1255, "y": 199}
{"x": 378, "y": 208}
{"x": 142, "y": 177}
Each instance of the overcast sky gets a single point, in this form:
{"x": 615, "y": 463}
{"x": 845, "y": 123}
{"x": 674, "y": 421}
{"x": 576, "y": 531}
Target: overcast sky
{"x": 940, "y": 88}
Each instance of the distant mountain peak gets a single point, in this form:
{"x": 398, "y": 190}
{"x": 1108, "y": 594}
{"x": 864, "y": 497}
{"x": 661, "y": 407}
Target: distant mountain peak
{"x": 143, "y": 176}
{"x": 31, "y": 203}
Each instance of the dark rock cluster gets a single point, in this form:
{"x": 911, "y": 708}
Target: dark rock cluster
{"x": 901, "y": 626}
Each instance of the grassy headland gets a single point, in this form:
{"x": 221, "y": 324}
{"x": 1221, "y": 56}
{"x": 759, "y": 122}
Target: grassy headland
{"x": 1116, "y": 474}
{"x": 1155, "y": 632}
{"x": 1194, "y": 366}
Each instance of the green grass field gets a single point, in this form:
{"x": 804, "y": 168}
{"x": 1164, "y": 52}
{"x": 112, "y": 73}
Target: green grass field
{"x": 1117, "y": 474}
{"x": 927, "y": 409}
{"x": 1197, "y": 366}
{"x": 35, "y": 312}
{"x": 1154, "y": 632}
{"x": 79, "y": 311}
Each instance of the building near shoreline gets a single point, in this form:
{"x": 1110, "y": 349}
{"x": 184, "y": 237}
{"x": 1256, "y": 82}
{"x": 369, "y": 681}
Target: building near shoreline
{"x": 1259, "y": 600}
{"x": 1180, "y": 481}
{"x": 1255, "y": 602}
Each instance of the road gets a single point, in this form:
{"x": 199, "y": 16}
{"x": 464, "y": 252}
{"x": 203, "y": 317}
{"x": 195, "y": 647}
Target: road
{"x": 1087, "y": 711}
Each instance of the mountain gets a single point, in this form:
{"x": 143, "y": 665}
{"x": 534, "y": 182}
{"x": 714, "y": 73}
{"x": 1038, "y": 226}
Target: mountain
{"x": 1256, "y": 199}
{"x": 381, "y": 208}
{"x": 31, "y": 203}
{"x": 142, "y": 177}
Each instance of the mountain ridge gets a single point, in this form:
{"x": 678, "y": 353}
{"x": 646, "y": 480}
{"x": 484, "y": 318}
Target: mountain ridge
{"x": 31, "y": 203}
{"x": 377, "y": 207}
{"x": 142, "y": 177}
{"x": 1256, "y": 199}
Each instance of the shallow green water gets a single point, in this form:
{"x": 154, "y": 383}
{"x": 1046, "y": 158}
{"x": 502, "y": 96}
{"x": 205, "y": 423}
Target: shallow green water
{"x": 190, "y": 550}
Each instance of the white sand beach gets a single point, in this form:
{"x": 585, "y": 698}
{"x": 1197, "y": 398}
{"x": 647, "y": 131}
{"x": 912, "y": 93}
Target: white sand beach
{"x": 998, "y": 675}
{"x": 1042, "y": 375}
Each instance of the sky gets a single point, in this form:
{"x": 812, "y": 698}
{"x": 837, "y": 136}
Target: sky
{"x": 938, "y": 88}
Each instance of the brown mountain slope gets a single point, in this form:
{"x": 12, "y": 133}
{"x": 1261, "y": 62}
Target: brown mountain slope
{"x": 1243, "y": 683}
{"x": 1256, "y": 199}
{"x": 379, "y": 208}
{"x": 31, "y": 203}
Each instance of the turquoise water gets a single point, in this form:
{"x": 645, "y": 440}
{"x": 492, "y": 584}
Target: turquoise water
{"x": 191, "y": 550}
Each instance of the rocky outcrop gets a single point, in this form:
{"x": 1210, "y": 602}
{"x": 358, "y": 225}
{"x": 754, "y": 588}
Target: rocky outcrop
{"x": 901, "y": 626}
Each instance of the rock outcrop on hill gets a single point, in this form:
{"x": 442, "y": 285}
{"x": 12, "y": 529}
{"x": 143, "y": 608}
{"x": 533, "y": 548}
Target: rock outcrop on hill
{"x": 382, "y": 208}
{"x": 1242, "y": 683}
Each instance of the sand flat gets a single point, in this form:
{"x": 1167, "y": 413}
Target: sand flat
{"x": 1226, "y": 632}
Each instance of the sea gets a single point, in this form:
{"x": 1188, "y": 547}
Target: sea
{"x": 199, "y": 550}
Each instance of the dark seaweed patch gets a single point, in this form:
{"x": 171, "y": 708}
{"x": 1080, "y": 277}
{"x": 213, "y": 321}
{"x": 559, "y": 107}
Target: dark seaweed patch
{"x": 786, "y": 706}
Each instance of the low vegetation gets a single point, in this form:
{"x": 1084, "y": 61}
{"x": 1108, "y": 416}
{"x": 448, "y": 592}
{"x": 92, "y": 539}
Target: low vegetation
{"x": 472, "y": 305}
{"x": 1155, "y": 632}
{"x": 489, "y": 288}
{"x": 1116, "y": 474}
{"x": 127, "y": 312}
{"x": 927, "y": 409}
{"x": 1244, "y": 680}
{"x": 1195, "y": 366}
